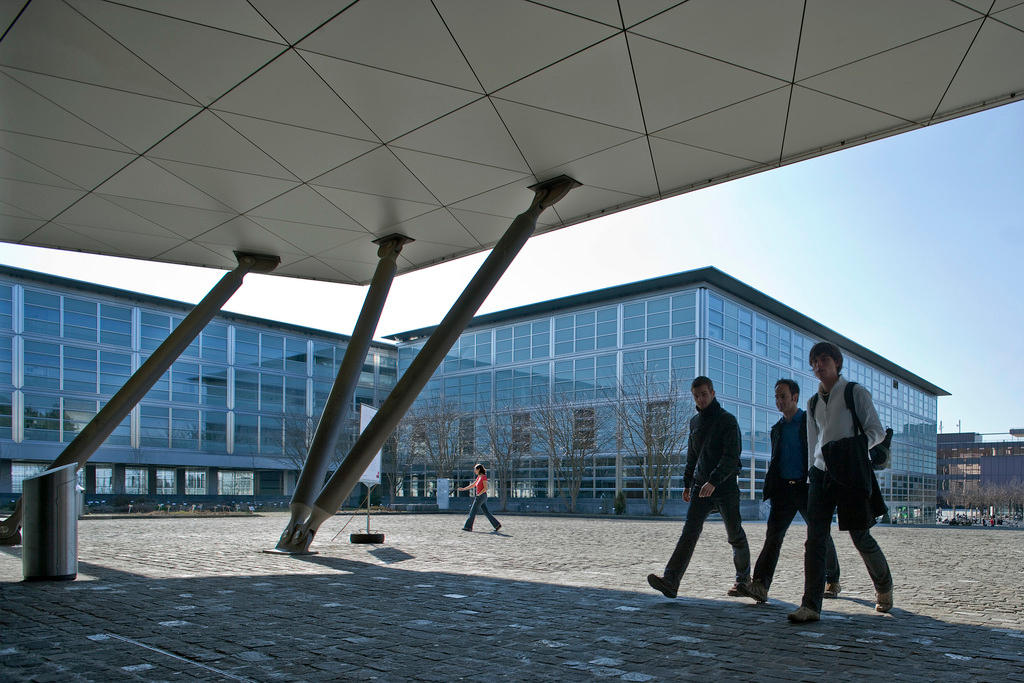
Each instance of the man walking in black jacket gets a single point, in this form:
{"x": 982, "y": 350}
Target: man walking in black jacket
{"x": 785, "y": 485}
{"x": 712, "y": 465}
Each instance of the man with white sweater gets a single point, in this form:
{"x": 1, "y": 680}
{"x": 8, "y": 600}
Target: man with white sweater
{"x": 829, "y": 421}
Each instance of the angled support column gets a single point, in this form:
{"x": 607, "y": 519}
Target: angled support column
{"x": 332, "y": 420}
{"x": 427, "y": 360}
{"x": 120, "y": 404}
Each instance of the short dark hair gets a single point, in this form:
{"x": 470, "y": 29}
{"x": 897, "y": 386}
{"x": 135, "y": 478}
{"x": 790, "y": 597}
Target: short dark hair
{"x": 481, "y": 468}
{"x": 829, "y": 349}
{"x": 702, "y": 381}
{"x": 794, "y": 388}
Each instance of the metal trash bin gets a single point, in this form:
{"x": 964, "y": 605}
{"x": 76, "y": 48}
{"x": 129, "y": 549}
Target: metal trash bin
{"x": 49, "y": 527}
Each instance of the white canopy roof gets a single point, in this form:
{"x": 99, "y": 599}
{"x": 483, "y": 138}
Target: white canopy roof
{"x": 182, "y": 131}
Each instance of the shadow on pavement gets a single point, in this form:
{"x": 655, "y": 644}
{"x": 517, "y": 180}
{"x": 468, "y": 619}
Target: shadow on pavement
{"x": 333, "y": 618}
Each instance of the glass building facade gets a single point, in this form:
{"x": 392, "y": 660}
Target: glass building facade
{"x": 976, "y": 470}
{"x": 231, "y": 417}
{"x": 589, "y": 348}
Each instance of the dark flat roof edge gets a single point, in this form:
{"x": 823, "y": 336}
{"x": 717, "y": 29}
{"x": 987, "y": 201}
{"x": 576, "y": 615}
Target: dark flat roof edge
{"x": 185, "y": 307}
{"x": 708, "y": 275}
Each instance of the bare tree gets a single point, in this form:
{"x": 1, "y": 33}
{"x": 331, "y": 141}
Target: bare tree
{"x": 299, "y": 429}
{"x": 440, "y": 427}
{"x": 508, "y": 438}
{"x": 400, "y": 451}
{"x": 298, "y": 435}
{"x": 569, "y": 433}
{"x": 654, "y": 423}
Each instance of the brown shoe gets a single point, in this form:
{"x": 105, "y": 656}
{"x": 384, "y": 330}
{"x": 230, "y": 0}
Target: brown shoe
{"x": 735, "y": 591}
{"x": 660, "y": 584}
{"x": 803, "y": 615}
{"x": 833, "y": 589}
{"x": 755, "y": 590}
{"x": 883, "y": 601}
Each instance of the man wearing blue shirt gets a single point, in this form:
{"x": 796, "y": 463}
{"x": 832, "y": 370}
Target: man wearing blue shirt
{"x": 785, "y": 485}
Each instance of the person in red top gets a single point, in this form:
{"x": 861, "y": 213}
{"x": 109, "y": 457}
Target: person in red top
{"x": 480, "y": 504}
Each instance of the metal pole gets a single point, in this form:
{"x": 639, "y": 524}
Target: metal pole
{"x": 117, "y": 408}
{"x": 332, "y": 420}
{"x": 426, "y": 361}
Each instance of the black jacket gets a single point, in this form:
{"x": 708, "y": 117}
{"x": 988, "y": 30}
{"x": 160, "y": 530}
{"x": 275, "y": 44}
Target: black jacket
{"x": 772, "y": 480}
{"x": 713, "y": 453}
{"x": 859, "y": 500}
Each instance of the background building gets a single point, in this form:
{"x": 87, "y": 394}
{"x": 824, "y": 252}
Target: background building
{"x": 981, "y": 470}
{"x": 231, "y": 418}
{"x": 586, "y": 355}
{"x": 568, "y": 401}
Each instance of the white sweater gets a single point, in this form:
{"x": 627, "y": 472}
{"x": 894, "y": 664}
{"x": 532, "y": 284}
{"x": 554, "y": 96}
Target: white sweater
{"x": 832, "y": 421}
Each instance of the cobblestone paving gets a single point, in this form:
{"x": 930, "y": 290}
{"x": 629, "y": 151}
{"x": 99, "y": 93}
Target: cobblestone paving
{"x": 547, "y": 598}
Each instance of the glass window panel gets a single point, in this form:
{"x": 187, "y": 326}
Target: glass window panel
{"x": 104, "y": 477}
{"x": 154, "y": 426}
{"x": 247, "y": 348}
{"x": 295, "y": 395}
{"x": 215, "y": 343}
{"x": 20, "y": 471}
{"x": 6, "y": 361}
{"x": 77, "y": 414}
{"x": 213, "y": 389}
{"x": 295, "y": 356}
{"x": 6, "y": 307}
{"x": 195, "y": 482}
{"x": 215, "y": 431}
{"x": 136, "y": 481}
{"x": 166, "y": 482}
{"x": 271, "y": 393}
{"x": 184, "y": 428}
{"x": 42, "y": 365}
{"x": 42, "y": 313}
{"x": 271, "y": 352}
{"x": 5, "y": 414}
{"x": 41, "y": 418}
{"x": 153, "y": 330}
{"x": 271, "y": 434}
{"x": 246, "y": 390}
{"x": 323, "y": 360}
{"x": 366, "y": 373}
{"x": 247, "y": 428}
{"x": 79, "y": 319}
{"x": 185, "y": 383}
{"x": 80, "y": 369}
{"x": 234, "y": 483}
{"x": 387, "y": 372}
{"x": 115, "y": 369}
{"x": 116, "y": 325}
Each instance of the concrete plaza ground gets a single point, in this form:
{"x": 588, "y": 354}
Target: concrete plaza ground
{"x": 547, "y": 598}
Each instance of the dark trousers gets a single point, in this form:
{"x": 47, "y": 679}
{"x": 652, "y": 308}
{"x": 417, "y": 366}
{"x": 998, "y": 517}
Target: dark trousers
{"x": 480, "y": 505}
{"x": 822, "y": 500}
{"x": 729, "y": 507}
{"x": 791, "y": 499}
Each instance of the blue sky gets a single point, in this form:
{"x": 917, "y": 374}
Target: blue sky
{"x": 911, "y": 246}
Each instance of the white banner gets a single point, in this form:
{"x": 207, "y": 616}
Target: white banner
{"x": 372, "y": 474}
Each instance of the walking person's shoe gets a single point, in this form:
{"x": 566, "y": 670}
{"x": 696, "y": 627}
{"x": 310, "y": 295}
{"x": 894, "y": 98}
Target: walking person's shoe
{"x": 660, "y": 584}
{"x": 803, "y": 615}
{"x": 465, "y": 529}
{"x": 735, "y": 591}
{"x": 755, "y": 590}
{"x": 883, "y": 601}
{"x": 497, "y": 528}
{"x": 833, "y": 589}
